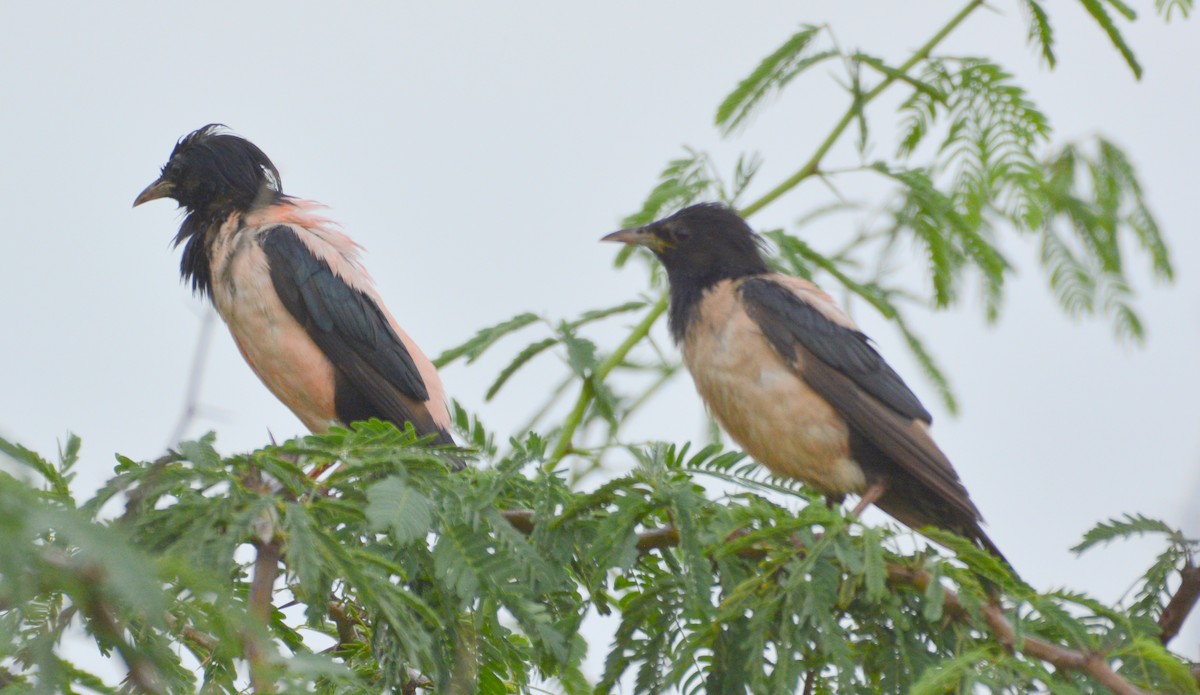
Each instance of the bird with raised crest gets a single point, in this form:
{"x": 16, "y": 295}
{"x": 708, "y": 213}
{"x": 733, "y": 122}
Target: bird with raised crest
{"x": 290, "y": 286}
{"x": 793, "y": 381}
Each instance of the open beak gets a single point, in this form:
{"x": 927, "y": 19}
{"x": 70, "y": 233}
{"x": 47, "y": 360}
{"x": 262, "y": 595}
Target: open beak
{"x": 159, "y": 189}
{"x": 636, "y": 236}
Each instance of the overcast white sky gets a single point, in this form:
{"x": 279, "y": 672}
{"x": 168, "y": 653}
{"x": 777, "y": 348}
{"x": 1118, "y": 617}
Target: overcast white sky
{"x": 479, "y": 150}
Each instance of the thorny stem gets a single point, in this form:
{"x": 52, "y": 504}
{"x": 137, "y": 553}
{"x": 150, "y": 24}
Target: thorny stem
{"x": 588, "y": 392}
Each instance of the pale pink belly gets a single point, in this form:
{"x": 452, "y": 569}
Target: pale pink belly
{"x": 275, "y": 345}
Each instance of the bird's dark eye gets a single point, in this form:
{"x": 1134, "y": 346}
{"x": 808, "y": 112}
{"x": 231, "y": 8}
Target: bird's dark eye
{"x": 682, "y": 234}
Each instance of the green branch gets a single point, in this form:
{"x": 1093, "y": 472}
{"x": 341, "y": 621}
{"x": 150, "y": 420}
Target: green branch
{"x": 811, "y": 166}
{"x": 575, "y": 418}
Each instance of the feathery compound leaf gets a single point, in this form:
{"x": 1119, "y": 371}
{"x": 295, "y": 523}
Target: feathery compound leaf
{"x": 993, "y": 132}
{"x": 581, "y": 352}
{"x": 681, "y": 182}
{"x": 1041, "y": 34}
{"x": 1129, "y": 525}
{"x": 57, "y": 481}
{"x": 598, "y": 314}
{"x": 1097, "y": 11}
{"x": 950, "y": 240}
{"x": 929, "y": 365}
{"x": 393, "y": 505}
{"x": 773, "y": 73}
{"x": 1167, "y": 8}
{"x": 952, "y": 675}
{"x": 1088, "y": 202}
{"x": 1127, "y": 191}
{"x": 304, "y": 559}
{"x": 519, "y": 361}
{"x": 874, "y": 571}
{"x": 484, "y": 339}
{"x": 1145, "y": 656}
{"x": 1154, "y": 591}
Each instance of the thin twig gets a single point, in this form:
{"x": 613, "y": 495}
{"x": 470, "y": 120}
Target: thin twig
{"x": 1093, "y": 663}
{"x": 201, "y": 639}
{"x": 143, "y": 675}
{"x": 346, "y": 626}
{"x": 810, "y": 681}
{"x": 658, "y": 538}
{"x": 195, "y": 375}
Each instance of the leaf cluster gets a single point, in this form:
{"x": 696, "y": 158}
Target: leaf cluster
{"x": 398, "y": 575}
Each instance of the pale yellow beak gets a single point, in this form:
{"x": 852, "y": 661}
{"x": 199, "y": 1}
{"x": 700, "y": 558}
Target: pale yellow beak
{"x": 637, "y": 236}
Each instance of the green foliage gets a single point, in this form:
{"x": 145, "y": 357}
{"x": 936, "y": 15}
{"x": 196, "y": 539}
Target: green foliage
{"x": 772, "y": 74}
{"x": 1041, "y": 33}
{"x": 1167, "y": 8}
{"x": 1089, "y": 201}
{"x": 1098, "y": 12}
{"x": 356, "y": 561}
{"x": 1154, "y": 588}
{"x": 399, "y": 574}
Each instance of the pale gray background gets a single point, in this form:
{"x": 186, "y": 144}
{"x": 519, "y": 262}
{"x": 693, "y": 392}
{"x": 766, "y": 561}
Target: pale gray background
{"x": 479, "y": 150}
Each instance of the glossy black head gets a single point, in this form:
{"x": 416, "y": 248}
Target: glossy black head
{"x": 700, "y": 246}
{"x": 703, "y": 244}
{"x": 213, "y": 172}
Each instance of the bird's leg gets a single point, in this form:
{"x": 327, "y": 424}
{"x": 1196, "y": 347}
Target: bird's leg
{"x": 832, "y": 501}
{"x": 869, "y": 497}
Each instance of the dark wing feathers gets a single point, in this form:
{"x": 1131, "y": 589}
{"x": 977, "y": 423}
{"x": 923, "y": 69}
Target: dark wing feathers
{"x": 788, "y": 322}
{"x": 896, "y": 439}
{"x": 840, "y": 365}
{"x": 352, "y": 331}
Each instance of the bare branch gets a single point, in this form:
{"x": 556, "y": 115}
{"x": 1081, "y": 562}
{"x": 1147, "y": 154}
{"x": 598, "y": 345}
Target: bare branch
{"x": 262, "y": 591}
{"x": 202, "y": 640}
{"x": 658, "y": 538}
{"x": 346, "y": 626}
{"x": 269, "y": 547}
{"x": 1093, "y": 663}
{"x": 191, "y": 399}
{"x": 1181, "y": 604}
{"x": 521, "y": 519}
